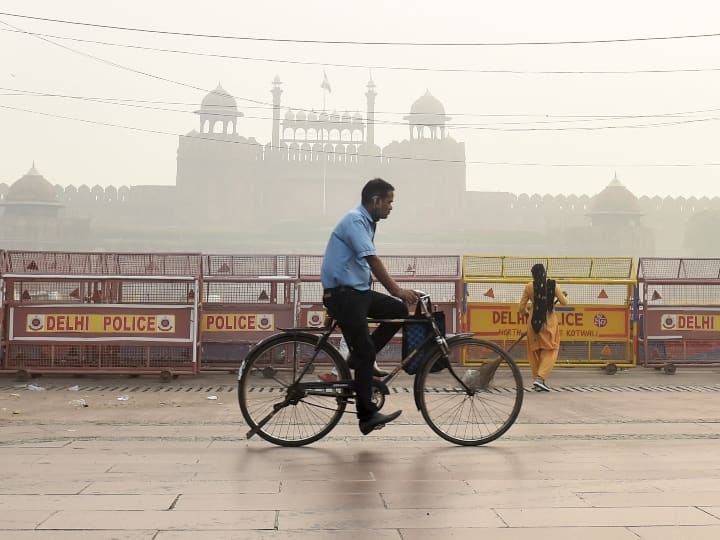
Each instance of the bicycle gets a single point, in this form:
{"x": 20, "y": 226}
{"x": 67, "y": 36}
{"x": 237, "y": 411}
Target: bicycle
{"x": 286, "y": 404}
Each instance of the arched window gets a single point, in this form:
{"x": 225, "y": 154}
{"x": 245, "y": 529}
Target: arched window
{"x": 317, "y": 152}
{"x": 293, "y": 153}
{"x": 352, "y": 153}
{"x": 340, "y": 153}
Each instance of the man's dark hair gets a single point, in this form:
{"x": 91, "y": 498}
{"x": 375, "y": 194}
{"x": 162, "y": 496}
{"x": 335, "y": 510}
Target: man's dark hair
{"x": 374, "y": 188}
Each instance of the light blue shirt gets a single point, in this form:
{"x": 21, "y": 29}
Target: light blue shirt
{"x": 344, "y": 263}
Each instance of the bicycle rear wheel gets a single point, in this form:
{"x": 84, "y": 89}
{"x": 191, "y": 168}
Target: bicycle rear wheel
{"x": 271, "y": 377}
{"x": 482, "y": 413}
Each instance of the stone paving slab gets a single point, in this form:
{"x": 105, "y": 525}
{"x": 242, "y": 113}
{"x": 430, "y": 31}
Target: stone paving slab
{"x": 11, "y": 503}
{"x": 352, "y": 534}
{"x": 216, "y": 520}
{"x": 530, "y": 533}
{"x": 596, "y": 517}
{"x": 389, "y": 519}
{"x": 78, "y": 535}
{"x": 609, "y": 463}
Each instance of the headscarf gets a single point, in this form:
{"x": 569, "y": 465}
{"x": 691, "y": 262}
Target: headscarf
{"x": 543, "y": 296}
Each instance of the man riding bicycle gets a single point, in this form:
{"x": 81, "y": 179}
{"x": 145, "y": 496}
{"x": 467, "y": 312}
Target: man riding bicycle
{"x": 348, "y": 265}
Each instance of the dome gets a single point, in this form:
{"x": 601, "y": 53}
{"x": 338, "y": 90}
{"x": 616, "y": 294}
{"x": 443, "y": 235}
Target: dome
{"x": 300, "y": 116}
{"x": 219, "y": 102}
{"x": 427, "y": 110}
{"x": 615, "y": 199}
{"x": 32, "y": 188}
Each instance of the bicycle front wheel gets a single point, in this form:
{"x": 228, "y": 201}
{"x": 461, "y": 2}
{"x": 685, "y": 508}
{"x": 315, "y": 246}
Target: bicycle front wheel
{"x": 271, "y": 381}
{"x": 484, "y": 410}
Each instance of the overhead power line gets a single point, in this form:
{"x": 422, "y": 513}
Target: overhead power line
{"x": 265, "y": 103}
{"x": 127, "y": 68}
{"x": 496, "y": 126}
{"x": 372, "y": 156}
{"x": 372, "y": 67}
{"x": 350, "y": 42}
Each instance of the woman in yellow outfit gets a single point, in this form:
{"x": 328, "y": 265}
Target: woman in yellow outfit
{"x": 543, "y": 334}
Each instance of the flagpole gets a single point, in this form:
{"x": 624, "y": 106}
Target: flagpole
{"x": 324, "y": 155}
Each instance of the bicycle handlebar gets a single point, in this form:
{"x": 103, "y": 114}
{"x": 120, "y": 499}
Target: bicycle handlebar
{"x": 423, "y": 300}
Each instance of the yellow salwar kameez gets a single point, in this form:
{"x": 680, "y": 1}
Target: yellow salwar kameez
{"x": 544, "y": 346}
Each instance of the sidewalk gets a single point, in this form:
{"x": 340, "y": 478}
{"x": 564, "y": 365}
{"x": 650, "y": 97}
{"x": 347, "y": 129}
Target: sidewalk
{"x": 628, "y": 456}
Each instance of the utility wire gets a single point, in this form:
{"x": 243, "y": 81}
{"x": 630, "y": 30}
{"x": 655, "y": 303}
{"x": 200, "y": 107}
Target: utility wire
{"x": 126, "y": 68}
{"x": 180, "y": 83}
{"x": 547, "y": 119}
{"x": 349, "y": 42}
{"x": 387, "y": 158}
{"x": 373, "y": 67}
{"x": 320, "y": 124}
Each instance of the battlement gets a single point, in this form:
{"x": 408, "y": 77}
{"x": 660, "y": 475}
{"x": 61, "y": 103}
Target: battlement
{"x": 340, "y": 154}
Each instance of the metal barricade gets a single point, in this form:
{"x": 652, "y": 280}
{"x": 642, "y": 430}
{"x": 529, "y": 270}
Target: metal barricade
{"x": 595, "y": 327}
{"x": 3, "y": 330}
{"x": 437, "y": 275}
{"x": 679, "y": 312}
{"x": 122, "y": 313}
{"x": 245, "y": 298}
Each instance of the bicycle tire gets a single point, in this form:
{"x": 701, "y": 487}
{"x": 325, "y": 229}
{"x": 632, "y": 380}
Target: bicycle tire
{"x": 283, "y": 357}
{"x": 478, "y": 416}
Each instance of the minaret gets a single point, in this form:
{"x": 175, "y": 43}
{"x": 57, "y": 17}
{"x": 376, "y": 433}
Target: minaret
{"x": 276, "y": 92}
{"x": 370, "y": 94}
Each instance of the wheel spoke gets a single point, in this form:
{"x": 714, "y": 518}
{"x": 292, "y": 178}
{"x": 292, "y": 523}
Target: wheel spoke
{"x": 309, "y": 415}
{"x": 491, "y": 406}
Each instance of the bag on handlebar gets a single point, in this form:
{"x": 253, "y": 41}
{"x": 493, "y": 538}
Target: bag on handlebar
{"x": 414, "y": 333}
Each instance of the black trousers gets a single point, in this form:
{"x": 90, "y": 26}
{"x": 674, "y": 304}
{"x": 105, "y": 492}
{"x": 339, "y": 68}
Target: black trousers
{"x": 351, "y": 309}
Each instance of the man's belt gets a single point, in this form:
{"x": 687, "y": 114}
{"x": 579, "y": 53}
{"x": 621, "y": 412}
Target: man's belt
{"x": 327, "y": 293}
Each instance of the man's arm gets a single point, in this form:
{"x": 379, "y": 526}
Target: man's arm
{"x": 380, "y": 272}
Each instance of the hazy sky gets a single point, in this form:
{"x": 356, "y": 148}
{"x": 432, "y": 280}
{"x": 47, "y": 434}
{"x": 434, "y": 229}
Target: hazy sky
{"x": 526, "y": 131}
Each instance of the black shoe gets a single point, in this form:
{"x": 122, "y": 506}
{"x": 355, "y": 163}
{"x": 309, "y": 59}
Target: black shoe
{"x": 377, "y": 372}
{"x": 377, "y": 421}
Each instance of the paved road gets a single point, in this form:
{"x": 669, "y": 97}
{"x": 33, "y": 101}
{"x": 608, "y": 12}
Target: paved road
{"x": 634, "y": 455}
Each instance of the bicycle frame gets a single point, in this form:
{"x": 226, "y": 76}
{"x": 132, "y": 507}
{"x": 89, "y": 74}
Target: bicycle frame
{"x": 325, "y": 333}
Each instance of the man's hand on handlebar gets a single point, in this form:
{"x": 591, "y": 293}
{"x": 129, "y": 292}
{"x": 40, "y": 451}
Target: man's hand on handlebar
{"x": 407, "y": 295}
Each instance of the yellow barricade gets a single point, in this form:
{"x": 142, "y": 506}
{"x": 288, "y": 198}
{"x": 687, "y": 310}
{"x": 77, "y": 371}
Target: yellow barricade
{"x": 595, "y": 327}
